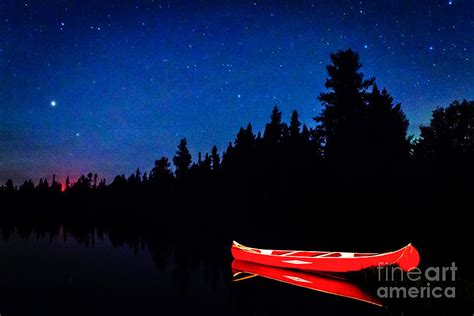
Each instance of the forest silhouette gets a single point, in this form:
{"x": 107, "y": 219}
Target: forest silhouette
{"x": 356, "y": 180}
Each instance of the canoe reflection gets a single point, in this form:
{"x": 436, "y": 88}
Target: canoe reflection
{"x": 243, "y": 270}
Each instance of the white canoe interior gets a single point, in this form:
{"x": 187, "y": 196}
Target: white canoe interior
{"x": 303, "y": 253}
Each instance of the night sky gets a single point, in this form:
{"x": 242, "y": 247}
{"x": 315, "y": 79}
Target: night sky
{"x": 109, "y": 86}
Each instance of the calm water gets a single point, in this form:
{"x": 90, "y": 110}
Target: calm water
{"x": 60, "y": 275}
{"x": 47, "y": 276}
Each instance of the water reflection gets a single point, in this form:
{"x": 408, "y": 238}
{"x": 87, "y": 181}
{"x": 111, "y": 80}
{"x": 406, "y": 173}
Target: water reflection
{"x": 322, "y": 283}
{"x": 85, "y": 270}
{"x": 90, "y": 272}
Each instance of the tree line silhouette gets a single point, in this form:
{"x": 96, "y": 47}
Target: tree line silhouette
{"x": 360, "y": 132}
{"x": 357, "y": 172}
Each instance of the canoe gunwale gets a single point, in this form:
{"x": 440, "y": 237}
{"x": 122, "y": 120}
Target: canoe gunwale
{"x": 406, "y": 258}
{"x": 368, "y": 255}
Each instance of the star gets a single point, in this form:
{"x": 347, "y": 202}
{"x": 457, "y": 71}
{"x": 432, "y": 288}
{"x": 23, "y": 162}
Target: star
{"x": 166, "y": 60}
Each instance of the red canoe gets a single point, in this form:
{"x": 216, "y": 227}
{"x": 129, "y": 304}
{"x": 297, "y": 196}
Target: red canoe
{"x": 243, "y": 270}
{"x": 406, "y": 258}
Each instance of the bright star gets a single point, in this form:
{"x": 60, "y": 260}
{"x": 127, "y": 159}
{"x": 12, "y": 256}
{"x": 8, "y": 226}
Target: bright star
{"x": 365, "y": 46}
{"x": 53, "y": 103}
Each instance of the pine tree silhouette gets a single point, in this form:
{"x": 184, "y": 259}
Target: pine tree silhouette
{"x": 342, "y": 123}
{"x": 9, "y": 187}
{"x": 215, "y": 159}
{"x": 207, "y": 163}
{"x": 55, "y": 186}
{"x": 446, "y": 146}
{"x": 295, "y": 124}
{"x": 276, "y": 130}
{"x": 182, "y": 160}
{"x": 161, "y": 172}
{"x": 388, "y": 143}
{"x": 245, "y": 140}
{"x": 68, "y": 184}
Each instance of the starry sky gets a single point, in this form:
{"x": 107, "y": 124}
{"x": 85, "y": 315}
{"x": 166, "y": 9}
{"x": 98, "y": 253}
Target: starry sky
{"x": 109, "y": 86}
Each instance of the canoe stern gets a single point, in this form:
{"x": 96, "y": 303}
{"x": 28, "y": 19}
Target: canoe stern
{"x": 409, "y": 259}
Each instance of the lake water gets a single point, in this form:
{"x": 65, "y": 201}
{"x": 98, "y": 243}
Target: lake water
{"x": 95, "y": 274}
{"x": 56, "y": 275}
